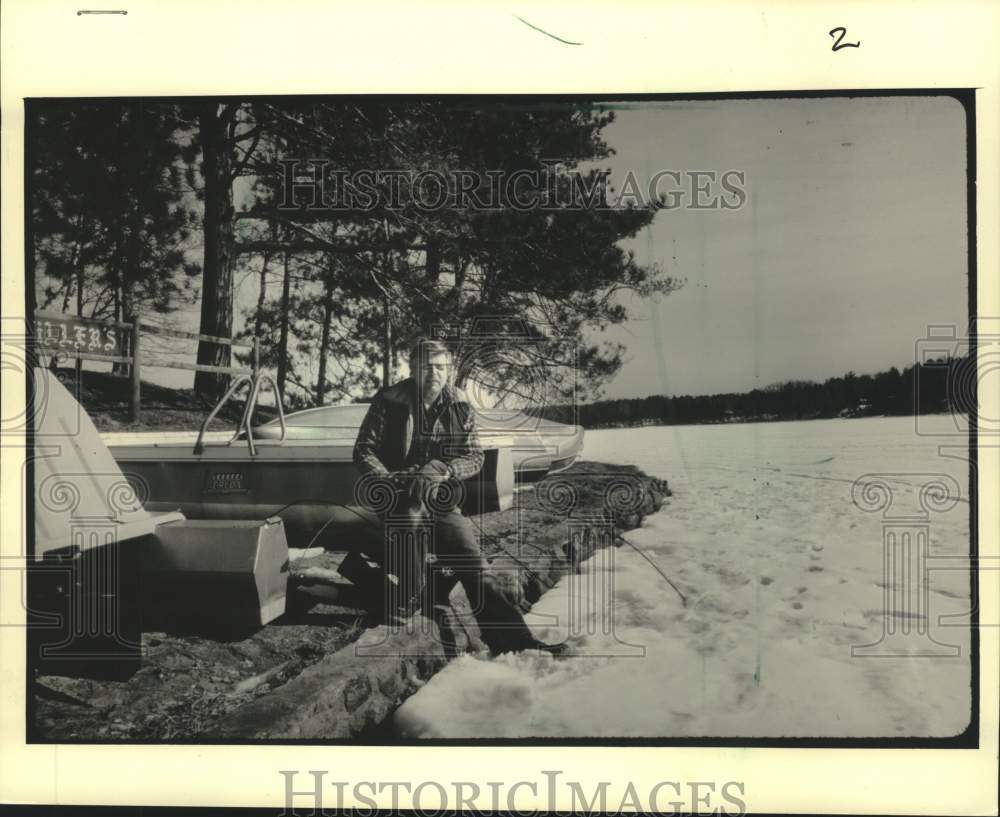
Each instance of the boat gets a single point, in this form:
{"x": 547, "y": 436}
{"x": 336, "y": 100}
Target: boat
{"x": 300, "y": 467}
{"x": 538, "y": 447}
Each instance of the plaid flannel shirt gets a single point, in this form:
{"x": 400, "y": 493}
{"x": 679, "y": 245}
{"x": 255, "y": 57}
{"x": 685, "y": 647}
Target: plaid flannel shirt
{"x": 449, "y": 434}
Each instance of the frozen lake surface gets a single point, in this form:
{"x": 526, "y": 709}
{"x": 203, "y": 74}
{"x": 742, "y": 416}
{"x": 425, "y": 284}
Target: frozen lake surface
{"x": 784, "y": 574}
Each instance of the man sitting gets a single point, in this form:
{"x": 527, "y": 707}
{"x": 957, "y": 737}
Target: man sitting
{"x": 420, "y": 437}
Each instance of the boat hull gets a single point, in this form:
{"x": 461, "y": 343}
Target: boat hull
{"x": 311, "y": 487}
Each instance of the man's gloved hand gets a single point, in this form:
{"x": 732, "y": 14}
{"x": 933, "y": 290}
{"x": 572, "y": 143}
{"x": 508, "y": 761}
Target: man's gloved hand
{"x": 403, "y": 478}
{"x": 426, "y": 478}
{"x": 435, "y": 470}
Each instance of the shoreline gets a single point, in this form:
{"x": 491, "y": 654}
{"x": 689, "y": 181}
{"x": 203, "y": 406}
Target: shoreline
{"x": 759, "y": 420}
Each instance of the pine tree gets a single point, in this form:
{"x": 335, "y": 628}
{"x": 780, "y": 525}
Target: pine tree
{"x": 111, "y": 218}
{"x": 519, "y": 288}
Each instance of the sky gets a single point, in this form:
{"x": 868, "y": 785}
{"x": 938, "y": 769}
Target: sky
{"x": 851, "y": 242}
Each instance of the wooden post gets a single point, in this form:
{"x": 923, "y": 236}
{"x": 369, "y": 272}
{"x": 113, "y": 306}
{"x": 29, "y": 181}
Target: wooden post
{"x": 79, "y": 312}
{"x": 136, "y": 373}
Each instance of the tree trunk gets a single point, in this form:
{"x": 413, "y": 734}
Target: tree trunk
{"x": 261, "y": 297}
{"x": 454, "y": 296}
{"x": 386, "y": 341}
{"x": 464, "y": 364}
{"x": 283, "y": 333}
{"x": 324, "y": 340}
{"x": 132, "y": 171}
{"x": 129, "y": 316}
{"x": 129, "y": 274}
{"x": 115, "y": 275}
{"x": 387, "y": 269}
{"x": 432, "y": 267}
{"x": 387, "y": 361}
{"x": 217, "y": 274}
{"x": 79, "y": 289}
{"x": 386, "y": 325}
{"x": 79, "y": 312}
{"x": 262, "y": 294}
{"x": 78, "y": 266}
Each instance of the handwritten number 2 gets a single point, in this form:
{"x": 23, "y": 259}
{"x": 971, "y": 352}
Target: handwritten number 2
{"x": 839, "y": 33}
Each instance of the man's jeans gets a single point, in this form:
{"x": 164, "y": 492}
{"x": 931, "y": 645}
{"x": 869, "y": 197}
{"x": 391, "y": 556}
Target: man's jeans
{"x": 401, "y": 542}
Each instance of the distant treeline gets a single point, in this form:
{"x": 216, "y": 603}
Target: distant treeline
{"x": 935, "y": 386}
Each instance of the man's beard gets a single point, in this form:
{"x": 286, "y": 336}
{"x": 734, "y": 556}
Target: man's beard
{"x": 431, "y": 391}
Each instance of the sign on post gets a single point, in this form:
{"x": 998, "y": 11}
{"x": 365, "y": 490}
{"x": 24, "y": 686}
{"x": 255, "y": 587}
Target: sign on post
{"x": 70, "y": 334}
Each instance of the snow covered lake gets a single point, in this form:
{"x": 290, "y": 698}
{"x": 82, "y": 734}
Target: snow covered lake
{"x": 784, "y": 574}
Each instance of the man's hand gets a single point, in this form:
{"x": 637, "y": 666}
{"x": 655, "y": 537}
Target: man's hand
{"x": 435, "y": 471}
{"x": 426, "y": 478}
{"x": 403, "y": 478}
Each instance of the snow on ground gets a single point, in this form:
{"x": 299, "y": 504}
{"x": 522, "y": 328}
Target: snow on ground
{"x": 783, "y": 573}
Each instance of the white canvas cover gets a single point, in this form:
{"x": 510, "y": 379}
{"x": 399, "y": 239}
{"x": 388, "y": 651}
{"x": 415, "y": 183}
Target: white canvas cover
{"x": 80, "y": 495}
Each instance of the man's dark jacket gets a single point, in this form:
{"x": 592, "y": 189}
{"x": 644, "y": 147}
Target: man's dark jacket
{"x": 386, "y": 433}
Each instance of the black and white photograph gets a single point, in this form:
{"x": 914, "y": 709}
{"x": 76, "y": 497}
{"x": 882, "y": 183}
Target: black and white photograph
{"x": 506, "y": 410}
{"x": 392, "y": 419}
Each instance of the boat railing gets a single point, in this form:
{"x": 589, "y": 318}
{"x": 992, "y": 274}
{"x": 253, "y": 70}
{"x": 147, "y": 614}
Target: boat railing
{"x": 255, "y": 382}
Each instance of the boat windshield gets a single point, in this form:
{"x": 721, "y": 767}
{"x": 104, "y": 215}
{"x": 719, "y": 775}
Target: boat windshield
{"x": 349, "y": 416}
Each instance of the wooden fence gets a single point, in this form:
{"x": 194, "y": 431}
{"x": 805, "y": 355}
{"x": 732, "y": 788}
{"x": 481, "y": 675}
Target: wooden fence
{"x": 82, "y": 338}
